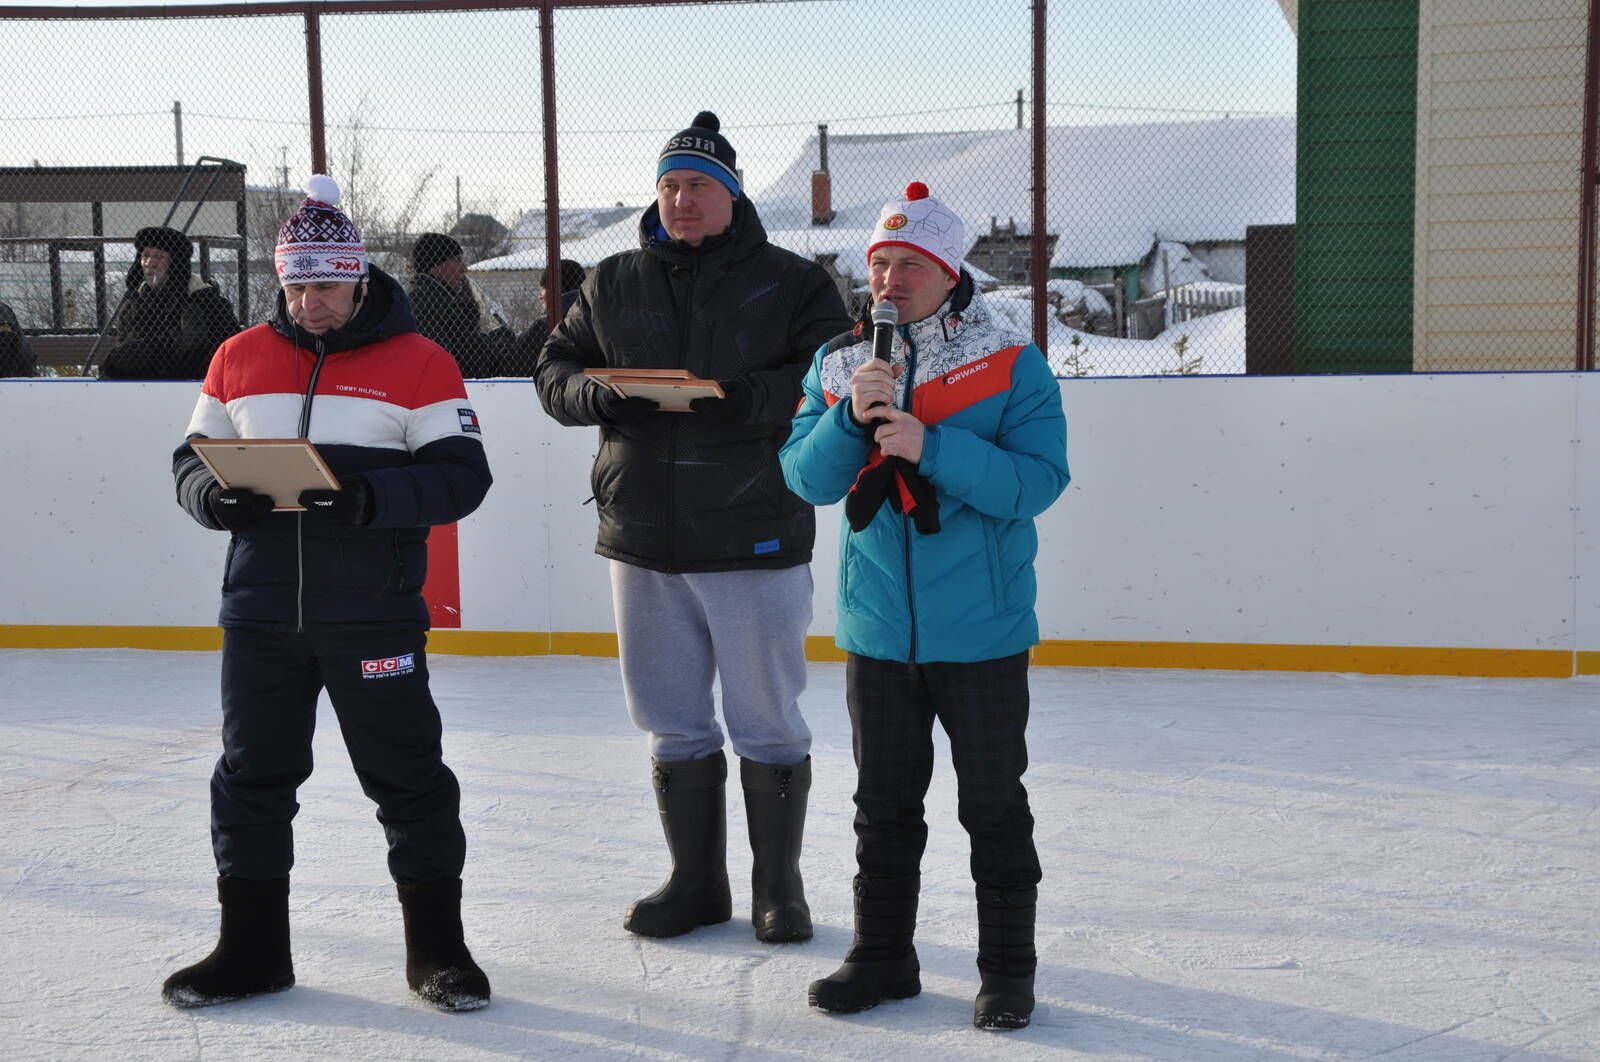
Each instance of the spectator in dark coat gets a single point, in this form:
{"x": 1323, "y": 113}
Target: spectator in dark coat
{"x": 171, "y": 321}
{"x": 451, "y": 312}
{"x": 526, "y": 354}
{"x": 16, "y": 357}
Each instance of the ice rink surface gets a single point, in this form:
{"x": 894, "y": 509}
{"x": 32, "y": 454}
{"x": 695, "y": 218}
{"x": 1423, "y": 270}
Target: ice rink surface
{"x": 1239, "y": 866}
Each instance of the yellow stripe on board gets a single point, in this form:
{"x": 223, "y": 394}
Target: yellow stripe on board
{"x": 522, "y": 643}
{"x": 21, "y": 636}
{"x": 1366, "y": 659}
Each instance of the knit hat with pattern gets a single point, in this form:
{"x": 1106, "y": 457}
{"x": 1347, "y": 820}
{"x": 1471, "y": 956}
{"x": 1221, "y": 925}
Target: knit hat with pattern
{"x": 319, "y": 242}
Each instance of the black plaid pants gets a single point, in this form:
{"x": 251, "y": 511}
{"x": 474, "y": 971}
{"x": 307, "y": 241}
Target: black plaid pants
{"x": 983, "y": 708}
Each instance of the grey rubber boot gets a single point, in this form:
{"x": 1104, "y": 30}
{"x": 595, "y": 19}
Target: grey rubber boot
{"x": 775, "y": 797}
{"x": 689, "y": 795}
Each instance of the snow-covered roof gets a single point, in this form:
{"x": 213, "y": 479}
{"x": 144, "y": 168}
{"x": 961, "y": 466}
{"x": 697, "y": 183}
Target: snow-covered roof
{"x": 576, "y": 222}
{"x": 1111, "y": 190}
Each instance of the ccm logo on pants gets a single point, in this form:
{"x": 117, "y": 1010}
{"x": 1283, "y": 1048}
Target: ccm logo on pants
{"x": 389, "y": 666}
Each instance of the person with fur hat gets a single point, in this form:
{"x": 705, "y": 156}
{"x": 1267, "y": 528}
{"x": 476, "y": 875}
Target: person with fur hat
{"x": 328, "y": 596}
{"x": 171, "y": 320}
{"x": 709, "y": 552}
{"x": 939, "y": 615}
{"x": 453, "y": 313}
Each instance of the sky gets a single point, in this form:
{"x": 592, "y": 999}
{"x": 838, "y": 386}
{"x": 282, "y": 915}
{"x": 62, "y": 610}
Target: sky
{"x": 1239, "y": 867}
{"x": 416, "y": 101}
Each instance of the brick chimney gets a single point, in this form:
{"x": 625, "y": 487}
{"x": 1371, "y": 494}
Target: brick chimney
{"x": 821, "y": 183}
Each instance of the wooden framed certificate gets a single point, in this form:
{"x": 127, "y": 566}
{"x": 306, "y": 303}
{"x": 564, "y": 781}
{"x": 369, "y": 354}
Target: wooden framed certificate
{"x": 674, "y": 389}
{"x": 278, "y": 468}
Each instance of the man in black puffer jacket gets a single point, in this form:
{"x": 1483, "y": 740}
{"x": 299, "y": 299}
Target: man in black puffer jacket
{"x": 709, "y": 549}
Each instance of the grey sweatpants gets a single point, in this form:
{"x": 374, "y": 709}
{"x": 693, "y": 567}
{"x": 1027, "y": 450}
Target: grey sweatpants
{"x": 747, "y": 629}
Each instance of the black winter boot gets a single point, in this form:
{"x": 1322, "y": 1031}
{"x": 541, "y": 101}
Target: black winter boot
{"x": 1006, "y": 958}
{"x": 882, "y": 962}
{"x": 439, "y": 968}
{"x": 775, "y": 810}
{"x": 689, "y": 795}
{"x": 252, "y": 953}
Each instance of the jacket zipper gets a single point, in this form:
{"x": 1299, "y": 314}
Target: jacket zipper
{"x": 906, "y": 527}
{"x": 299, "y": 518}
{"x": 684, "y": 328}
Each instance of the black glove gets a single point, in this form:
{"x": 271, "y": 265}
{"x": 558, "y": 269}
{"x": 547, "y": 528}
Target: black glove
{"x": 732, "y": 408}
{"x": 612, "y": 408}
{"x": 349, "y": 506}
{"x": 237, "y": 508}
{"x": 906, "y": 489}
{"x": 867, "y": 494}
{"x": 923, "y": 506}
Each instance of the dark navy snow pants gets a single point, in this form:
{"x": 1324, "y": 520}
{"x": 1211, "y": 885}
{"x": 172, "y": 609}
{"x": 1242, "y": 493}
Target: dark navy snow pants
{"x": 983, "y": 708}
{"x": 378, "y": 683}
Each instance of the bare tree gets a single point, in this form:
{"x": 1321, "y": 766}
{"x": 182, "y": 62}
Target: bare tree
{"x": 388, "y": 222}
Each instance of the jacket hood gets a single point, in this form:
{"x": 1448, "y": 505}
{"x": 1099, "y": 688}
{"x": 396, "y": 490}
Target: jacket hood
{"x": 384, "y": 312}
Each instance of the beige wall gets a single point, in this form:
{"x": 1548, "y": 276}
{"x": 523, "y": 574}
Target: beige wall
{"x": 1499, "y": 143}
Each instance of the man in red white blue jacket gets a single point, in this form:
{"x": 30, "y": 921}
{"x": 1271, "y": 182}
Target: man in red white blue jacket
{"x": 331, "y": 598}
{"x": 943, "y": 455}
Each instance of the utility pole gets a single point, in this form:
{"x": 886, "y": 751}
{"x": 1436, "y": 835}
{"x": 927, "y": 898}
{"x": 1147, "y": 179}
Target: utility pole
{"x": 1019, "y": 108}
{"x": 177, "y": 126}
{"x": 458, "y": 198}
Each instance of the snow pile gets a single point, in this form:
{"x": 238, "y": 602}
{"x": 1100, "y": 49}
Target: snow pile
{"x": 1211, "y": 345}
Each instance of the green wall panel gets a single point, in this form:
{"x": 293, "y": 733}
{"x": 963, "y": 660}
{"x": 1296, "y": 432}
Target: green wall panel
{"x": 1356, "y": 180}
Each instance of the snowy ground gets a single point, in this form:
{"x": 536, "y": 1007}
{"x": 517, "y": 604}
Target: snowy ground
{"x": 1239, "y": 866}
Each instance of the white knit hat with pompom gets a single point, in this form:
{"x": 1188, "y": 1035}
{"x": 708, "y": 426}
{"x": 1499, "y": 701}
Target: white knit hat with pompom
{"x": 319, "y": 242}
{"x": 922, "y": 223}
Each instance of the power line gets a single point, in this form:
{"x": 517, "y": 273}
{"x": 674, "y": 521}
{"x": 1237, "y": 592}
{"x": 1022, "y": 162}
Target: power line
{"x": 76, "y": 117}
{"x": 457, "y": 131}
{"x": 1170, "y": 110}
{"x": 607, "y": 132}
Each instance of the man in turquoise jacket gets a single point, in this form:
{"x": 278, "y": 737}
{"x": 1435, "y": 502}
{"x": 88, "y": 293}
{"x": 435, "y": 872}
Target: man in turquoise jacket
{"x": 936, "y": 594}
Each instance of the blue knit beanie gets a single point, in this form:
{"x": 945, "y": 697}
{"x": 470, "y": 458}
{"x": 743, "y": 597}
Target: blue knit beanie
{"x": 701, "y": 147}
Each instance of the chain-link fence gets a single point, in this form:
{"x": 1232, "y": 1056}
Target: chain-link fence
{"x": 1199, "y": 163}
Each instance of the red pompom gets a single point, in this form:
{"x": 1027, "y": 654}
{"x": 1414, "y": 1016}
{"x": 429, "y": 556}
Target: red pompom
{"x": 916, "y": 190}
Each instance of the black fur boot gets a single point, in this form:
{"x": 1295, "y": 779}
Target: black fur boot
{"x": 775, "y": 810}
{"x": 252, "y": 952}
{"x": 439, "y": 968}
{"x": 1006, "y": 957}
{"x": 882, "y": 962}
{"x": 689, "y": 795}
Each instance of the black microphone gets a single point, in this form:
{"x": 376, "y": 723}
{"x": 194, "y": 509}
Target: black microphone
{"x": 885, "y": 315}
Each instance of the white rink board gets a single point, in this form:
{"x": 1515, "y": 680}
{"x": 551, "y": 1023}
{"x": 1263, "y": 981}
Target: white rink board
{"x": 1457, "y": 510}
